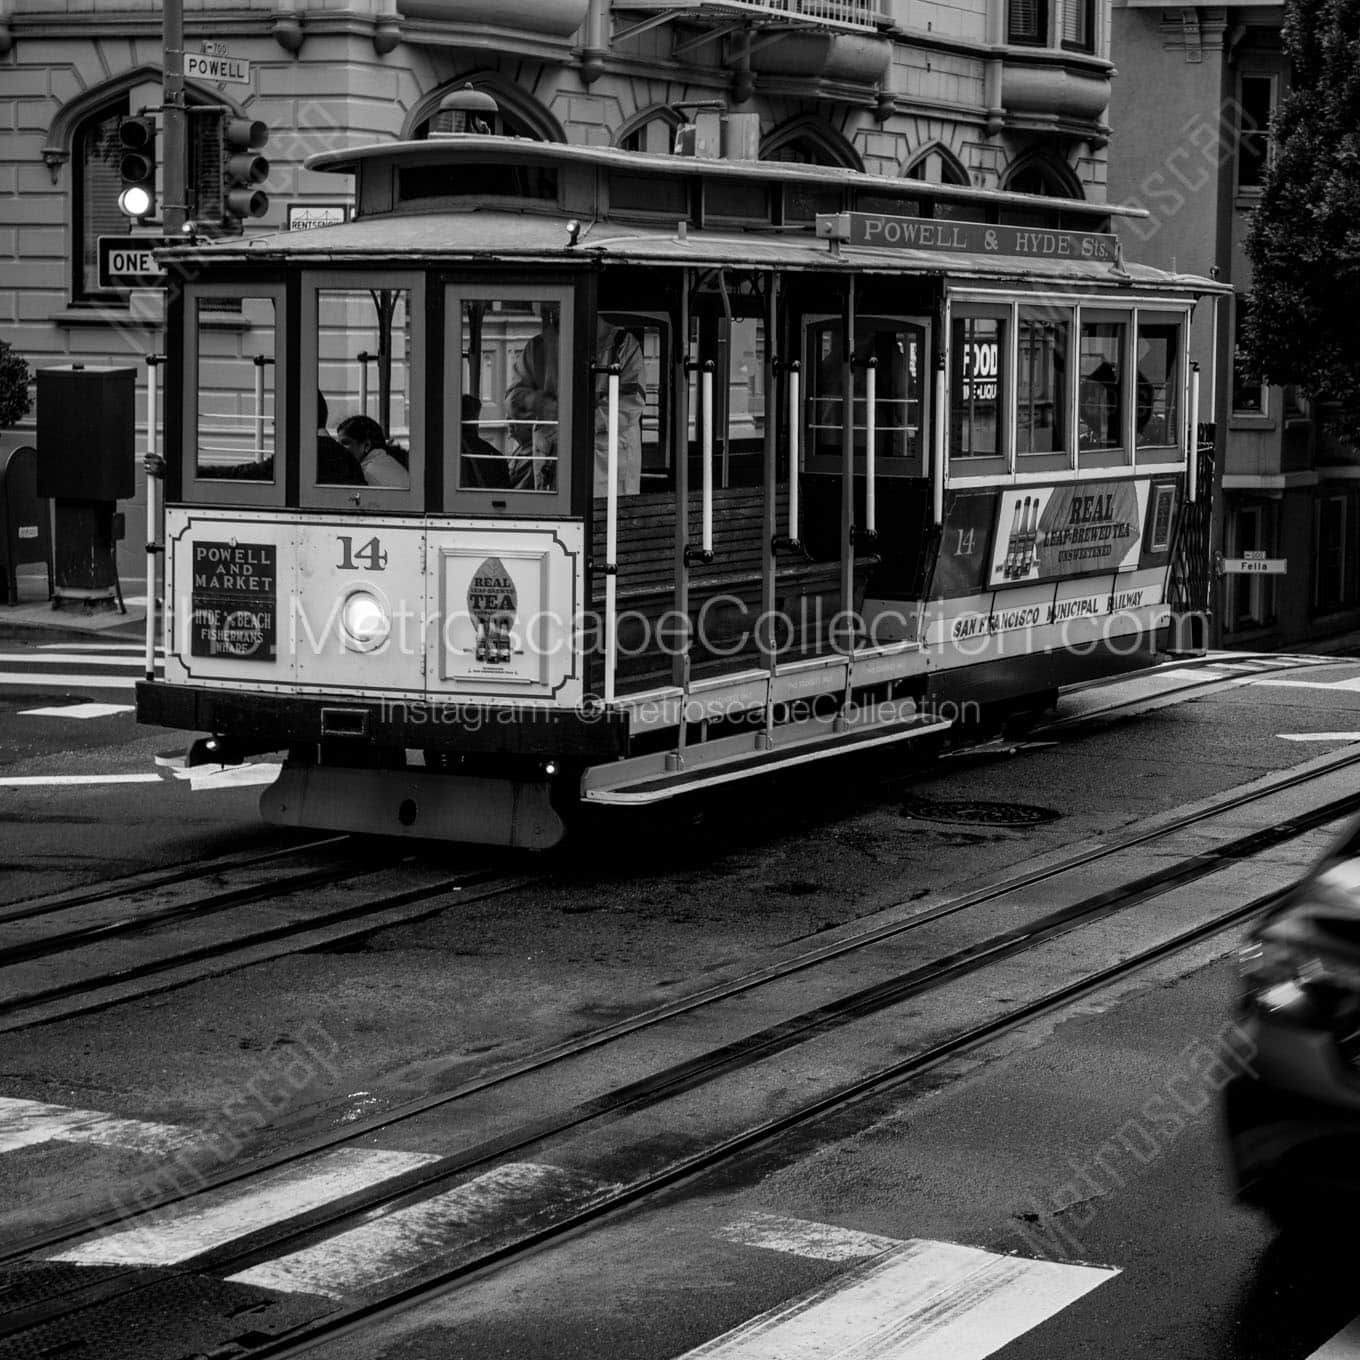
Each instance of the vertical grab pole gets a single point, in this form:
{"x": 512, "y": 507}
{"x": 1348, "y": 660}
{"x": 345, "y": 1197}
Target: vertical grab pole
{"x": 259, "y": 408}
{"x": 611, "y": 537}
{"x": 795, "y": 413}
{"x": 1192, "y": 438}
{"x": 153, "y": 467}
{"x": 937, "y": 471}
{"x": 706, "y": 388}
{"x": 870, "y": 439}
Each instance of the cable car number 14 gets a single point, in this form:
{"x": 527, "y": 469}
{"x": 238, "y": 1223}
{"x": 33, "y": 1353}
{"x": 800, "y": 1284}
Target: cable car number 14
{"x": 371, "y": 555}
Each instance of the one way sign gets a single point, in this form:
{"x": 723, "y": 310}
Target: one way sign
{"x": 130, "y": 262}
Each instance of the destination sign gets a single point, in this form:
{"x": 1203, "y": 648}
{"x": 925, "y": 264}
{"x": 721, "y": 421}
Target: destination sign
{"x": 977, "y": 238}
{"x": 130, "y": 261}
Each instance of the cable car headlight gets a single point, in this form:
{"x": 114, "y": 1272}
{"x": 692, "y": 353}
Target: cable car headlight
{"x": 365, "y": 620}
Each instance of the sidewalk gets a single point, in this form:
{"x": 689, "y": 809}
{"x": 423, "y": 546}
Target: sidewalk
{"x": 34, "y": 617}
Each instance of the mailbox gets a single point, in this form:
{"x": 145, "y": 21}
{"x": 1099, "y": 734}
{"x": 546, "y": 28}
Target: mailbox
{"x": 25, "y": 517}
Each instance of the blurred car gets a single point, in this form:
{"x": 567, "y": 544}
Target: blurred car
{"x": 1293, "y": 1115}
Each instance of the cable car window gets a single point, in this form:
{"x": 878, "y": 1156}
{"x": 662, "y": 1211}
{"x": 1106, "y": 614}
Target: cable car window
{"x": 638, "y": 343}
{"x": 1041, "y": 424}
{"x": 1100, "y": 395}
{"x": 363, "y": 398}
{"x": 977, "y": 365}
{"x": 900, "y": 349}
{"x": 1157, "y": 419}
{"x": 476, "y": 181}
{"x": 235, "y": 385}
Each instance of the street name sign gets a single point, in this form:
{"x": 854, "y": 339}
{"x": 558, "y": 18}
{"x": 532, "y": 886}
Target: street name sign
{"x": 225, "y": 70}
{"x": 1255, "y": 563}
{"x": 130, "y": 261}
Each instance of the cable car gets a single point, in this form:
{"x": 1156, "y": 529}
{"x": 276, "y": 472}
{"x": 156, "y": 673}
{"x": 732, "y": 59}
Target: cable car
{"x": 567, "y": 474}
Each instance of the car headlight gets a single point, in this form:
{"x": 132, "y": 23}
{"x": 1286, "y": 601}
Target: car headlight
{"x": 365, "y": 620}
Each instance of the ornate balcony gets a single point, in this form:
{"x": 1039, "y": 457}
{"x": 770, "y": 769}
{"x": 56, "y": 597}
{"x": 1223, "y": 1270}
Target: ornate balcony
{"x": 863, "y": 16}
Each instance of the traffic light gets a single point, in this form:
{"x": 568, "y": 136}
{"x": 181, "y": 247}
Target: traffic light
{"x": 137, "y": 166}
{"x": 243, "y": 169}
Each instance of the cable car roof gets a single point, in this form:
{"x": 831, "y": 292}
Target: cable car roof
{"x": 486, "y": 237}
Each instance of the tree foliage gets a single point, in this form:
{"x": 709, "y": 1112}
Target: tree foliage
{"x": 15, "y": 402}
{"x": 1304, "y": 242}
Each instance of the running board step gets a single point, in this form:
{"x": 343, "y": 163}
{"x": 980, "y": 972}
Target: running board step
{"x": 654, "y": 778}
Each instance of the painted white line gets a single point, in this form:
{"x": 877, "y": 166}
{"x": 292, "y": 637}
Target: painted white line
{"x": 98, "y": 647}
{"x": 78, "y": 711}
{"x": 24, "y": 1123}
{"x": 1346, "y": 685}
{"x": 410, "y": 1237}
{"x": 923, "y": 1301}
{"x": 1345, "y": 1345}
{"x": 33, "y": 781}
{"x": 70, "y": 659}
{"x": 1183, "y": 673}
{"x": 223, "y": 1216}
{"x": 41, "y": 680}
{"x": 201, "y": 777}
{"x": 1236, "y": 666}
{"x": 1319, "y": 736}
{"x": 799, "y": 1237}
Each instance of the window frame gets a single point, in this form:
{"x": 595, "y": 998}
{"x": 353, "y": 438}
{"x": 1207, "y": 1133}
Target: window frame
{"x": 985, "y": 465}
{"x": 362, "y": 497}
{"x": 1236, "y": 414}
{"x": 1060, "y": 461}
{"x": 117, "y": 107}
{"x": 514, "y": 503}
{"x": 1175, "y": 452}
{"x": 1262, "y": 590}
{"x": 218, "y": 490}
{"x": 1266, "y": 133}
{"x": 1044, "y": 16}
{"x": 1088, "y": 11}
{"x": 1121, "y": 457}
{"x": 1348, "y": 594}
{"x": 825, "y": 463}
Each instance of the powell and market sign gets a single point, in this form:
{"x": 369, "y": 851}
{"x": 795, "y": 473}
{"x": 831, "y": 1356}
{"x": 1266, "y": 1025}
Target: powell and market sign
{"x": 979, "y": 238}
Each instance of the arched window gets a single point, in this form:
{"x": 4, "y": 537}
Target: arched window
{"x": 652, "y": 130}
{"x": 937, "y": 165}
{"x": 1037, "y": 174}
{"x": 85, "y": 134}
{"x": 809, "y": 141}
{"x": 518, "y": 114}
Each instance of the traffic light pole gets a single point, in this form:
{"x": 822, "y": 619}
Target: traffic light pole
{"x": 175, "y": 138}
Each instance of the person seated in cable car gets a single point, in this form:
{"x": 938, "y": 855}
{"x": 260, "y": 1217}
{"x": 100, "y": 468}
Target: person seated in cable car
{"x": 334, "y": 466}
{"x": 362, "y": 438}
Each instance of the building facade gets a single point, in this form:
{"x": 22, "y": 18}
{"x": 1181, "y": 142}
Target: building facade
{"x": 994, "y": 93}
{"x": 1192, "y": 110}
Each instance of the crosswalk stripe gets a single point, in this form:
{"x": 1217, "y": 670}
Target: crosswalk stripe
{"x": 81, "y": 711}
{"x": 800, "y": 1237}
{"x": 1345, "y": 1345}
{"x": 42, "y": 680}
{"x": 72, "y": 659}
{"x": 28, "y": 781}
{"x": 1342, "y": 686}
{"x": 407, "y": 1238}
{"x": 920, "y": 1301}
{"x": 25, "y": 1123}
{"x": 1319, "y": 736}
{"x": 219, "y": 1217}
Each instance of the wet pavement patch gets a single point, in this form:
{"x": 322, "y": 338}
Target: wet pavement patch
{"x": 971, "y": 812}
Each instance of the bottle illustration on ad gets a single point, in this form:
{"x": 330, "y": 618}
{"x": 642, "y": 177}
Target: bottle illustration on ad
{"x": 493, "y": 604}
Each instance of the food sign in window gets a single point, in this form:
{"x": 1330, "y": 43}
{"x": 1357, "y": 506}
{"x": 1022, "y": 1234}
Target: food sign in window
{"x": 975, "y": 359}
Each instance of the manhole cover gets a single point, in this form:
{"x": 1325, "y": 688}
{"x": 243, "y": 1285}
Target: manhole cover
{"x": 974, "y": 813}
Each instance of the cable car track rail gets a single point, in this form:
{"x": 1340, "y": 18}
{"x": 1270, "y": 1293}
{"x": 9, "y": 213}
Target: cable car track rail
{"x": 735, "y": 1057}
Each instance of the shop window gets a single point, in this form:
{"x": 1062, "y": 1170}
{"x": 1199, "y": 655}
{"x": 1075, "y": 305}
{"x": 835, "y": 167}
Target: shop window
{"x": 1157, "y": 415}
{"x": 1027, "y": 22}
{"x": 1255, "y": 108}
{"x": 1251, "y": 600}
{"x": 1041, "y": 385}
{"x": 977, "y": 356}
{"x": 96, "y": 153}
{"x": 1101, "y": 386}
{"x": 1248, "y": 391}
{"x": 1334, "y": 557}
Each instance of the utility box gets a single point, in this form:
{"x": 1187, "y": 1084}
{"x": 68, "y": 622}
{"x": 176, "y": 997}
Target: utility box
{"x": 87, "y": 433}
{"x": 87, "y": 456}
{"x": 25, "y": 517}
{"x": 741, "y": 136}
